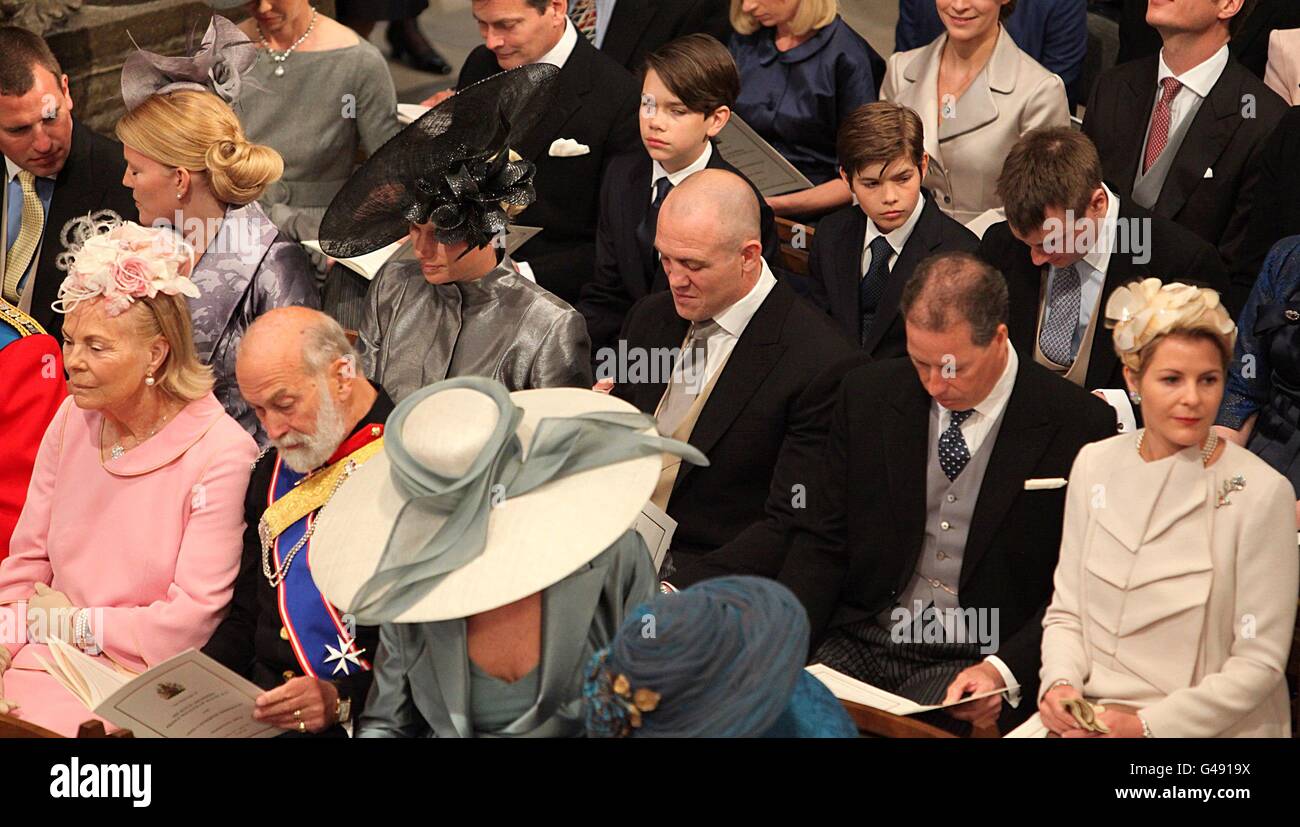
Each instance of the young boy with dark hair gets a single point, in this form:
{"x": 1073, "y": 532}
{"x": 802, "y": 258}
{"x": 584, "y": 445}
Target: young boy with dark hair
{"x": 861, "y": 256}
{"x": 688, "y": 88}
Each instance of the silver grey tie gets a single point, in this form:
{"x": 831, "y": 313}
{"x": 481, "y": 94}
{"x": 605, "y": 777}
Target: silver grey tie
{"x": 687, "y": 381}
{"x": 1056, "y": 339}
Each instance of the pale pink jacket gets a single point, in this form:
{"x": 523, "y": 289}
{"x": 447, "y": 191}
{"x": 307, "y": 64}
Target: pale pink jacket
{"x": 153, "y": 539}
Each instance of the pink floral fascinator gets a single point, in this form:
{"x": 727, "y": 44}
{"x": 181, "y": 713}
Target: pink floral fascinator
{"x": 121, "y": 261}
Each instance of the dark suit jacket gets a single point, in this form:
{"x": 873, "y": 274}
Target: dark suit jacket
{"x": 248, "y": 640}
{"x": 835, "y": 270}
{"x": 1218, "y": 209}
{"x": 857, "y": 549}
{"x": 1278, "y": 213}
{"x": 595, "y": 104}
{"x": 1249, "y": 43}
{"x": 1175, "y": 255}
{"x": 641, "y": 26}
{"x": 771, "y": 399}
{"x": 621, "y": 273}
{"x": 91, "y": 179}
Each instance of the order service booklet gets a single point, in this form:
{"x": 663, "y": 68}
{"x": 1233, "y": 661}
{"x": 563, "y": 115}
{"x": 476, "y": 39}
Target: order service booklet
{"x": 187, "y": 696}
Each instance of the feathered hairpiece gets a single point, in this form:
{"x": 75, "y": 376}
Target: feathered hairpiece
{"x": 121, "y": 261}
{"x": 222, "y": 57}
{"x": 1147, "y": 310}
{"x": 453, "y": 167}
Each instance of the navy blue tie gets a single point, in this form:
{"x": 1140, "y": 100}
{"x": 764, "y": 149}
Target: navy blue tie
{"x": 645, "y": 231}
{"x": 953, "y": 452}
{"x": 872, "y": 285}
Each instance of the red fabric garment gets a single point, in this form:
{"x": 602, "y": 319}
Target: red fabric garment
{"x": 31, "y": 388}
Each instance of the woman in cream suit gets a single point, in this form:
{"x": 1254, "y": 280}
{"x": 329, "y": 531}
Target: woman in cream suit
{"x": 1176, "y": 587}
{"x": 977, "y": 93}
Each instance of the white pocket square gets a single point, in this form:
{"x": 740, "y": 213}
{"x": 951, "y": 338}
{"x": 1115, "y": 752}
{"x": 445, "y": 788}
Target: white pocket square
{"x": 1045, "y": 483}
{"x": 1209, "y": 172}
{"x": 567, "y": 148}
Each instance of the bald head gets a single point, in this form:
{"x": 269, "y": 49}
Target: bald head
{"x": 294, "y": 338}
{"x": 709, "y": 243}
{"x": 298, "y": 371}
{"x": 717, "y": 202}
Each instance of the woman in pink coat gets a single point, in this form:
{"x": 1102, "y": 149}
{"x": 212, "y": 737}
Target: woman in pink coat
{"x": 130, "y": 538}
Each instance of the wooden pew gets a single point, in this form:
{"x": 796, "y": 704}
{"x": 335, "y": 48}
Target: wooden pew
{"x": 11, "y": 727}
{"x": 794, "y": 258}
{"x": 883, "y": 724}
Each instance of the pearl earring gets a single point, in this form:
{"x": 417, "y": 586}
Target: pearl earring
{"x": 178, "y": 196}
{"x": 149, "y": 380}
{"x": 1135, "y": 397}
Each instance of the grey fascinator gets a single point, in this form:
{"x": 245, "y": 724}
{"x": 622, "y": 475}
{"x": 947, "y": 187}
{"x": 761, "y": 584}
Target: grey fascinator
{"x": 222, "y": 57}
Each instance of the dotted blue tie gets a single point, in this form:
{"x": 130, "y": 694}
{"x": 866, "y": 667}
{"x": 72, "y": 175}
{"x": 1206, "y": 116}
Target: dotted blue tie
{"x": 953, "y": 453}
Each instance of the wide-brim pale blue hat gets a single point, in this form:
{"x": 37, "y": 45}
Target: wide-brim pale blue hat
{"x": 482, "y": 497}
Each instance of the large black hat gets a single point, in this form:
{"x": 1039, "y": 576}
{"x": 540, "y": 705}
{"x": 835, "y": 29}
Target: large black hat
{"x": 452, "y": 166}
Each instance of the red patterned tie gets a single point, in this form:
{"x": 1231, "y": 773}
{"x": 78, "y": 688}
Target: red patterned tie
{"x": 583, "y": 15}
{"x": 1160, "y": 121}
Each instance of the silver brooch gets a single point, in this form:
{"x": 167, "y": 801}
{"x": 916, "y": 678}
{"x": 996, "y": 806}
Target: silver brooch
{"x": 1235, "y": 484}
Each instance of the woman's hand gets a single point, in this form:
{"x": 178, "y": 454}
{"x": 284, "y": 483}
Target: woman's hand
{"x": 1121, "y": 725}
{"x": 314, "y": 700}
{"x": 1055, "y": 717}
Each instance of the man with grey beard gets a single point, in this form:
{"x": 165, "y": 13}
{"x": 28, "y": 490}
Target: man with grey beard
{"x": 298, "y": 371}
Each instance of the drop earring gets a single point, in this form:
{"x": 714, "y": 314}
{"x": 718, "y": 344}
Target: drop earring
{"x": 148, "y": 379}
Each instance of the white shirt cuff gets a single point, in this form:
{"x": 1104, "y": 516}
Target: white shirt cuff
{"x": 1013, "y": 694}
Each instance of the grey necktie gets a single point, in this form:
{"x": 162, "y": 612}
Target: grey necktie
{"x": 1056, "y": 339}
{"x": 687, "y": 381}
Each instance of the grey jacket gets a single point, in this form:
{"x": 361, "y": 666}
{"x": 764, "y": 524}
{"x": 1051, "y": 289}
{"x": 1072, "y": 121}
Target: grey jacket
{"x": 248, "y": 269}
{"x": 421, "y": 683}
{"x": 501, "y": 326}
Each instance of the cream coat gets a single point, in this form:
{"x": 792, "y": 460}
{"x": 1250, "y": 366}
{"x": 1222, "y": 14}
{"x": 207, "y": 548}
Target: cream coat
{"x": 1012, "y": 95}
{"x": 1171, "y": 603}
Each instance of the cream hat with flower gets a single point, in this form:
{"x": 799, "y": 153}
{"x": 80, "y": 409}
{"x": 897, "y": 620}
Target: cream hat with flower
{"x": 1144, "y": 311}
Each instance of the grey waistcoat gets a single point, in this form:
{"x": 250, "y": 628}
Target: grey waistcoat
{"x": 950, "y": 504}
{"x": 1146, "y": 188}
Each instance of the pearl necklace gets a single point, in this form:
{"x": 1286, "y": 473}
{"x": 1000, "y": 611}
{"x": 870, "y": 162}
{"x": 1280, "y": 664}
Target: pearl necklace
{"x": 280, "y": 57}
{"x": 1207, "y": 449}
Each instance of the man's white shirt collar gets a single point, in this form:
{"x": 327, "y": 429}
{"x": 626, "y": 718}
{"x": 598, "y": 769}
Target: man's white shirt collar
{"x": 991, "y": 407}
{"x": 1200, "y": 78}
{"x": 736, "y": 318}
{"x": 559, "y": 54}
{"x": 1098, "y": 257}
{"x": 897, "y": 238}
{"x": 12, "y": 170}
{"x": 657, "y": 170}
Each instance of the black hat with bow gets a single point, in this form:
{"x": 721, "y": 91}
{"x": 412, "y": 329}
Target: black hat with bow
{"x": 452, "y": 167}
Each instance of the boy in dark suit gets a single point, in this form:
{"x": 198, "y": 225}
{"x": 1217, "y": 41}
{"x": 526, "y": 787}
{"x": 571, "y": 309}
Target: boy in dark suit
{"x": 687, "y": 90}
{"x": 862, "y": 255}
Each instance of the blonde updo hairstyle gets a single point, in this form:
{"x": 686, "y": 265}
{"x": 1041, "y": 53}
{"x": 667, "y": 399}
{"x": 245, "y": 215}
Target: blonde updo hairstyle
{"x": 197, "y": 131}
{"x": 1145, "y": 313}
